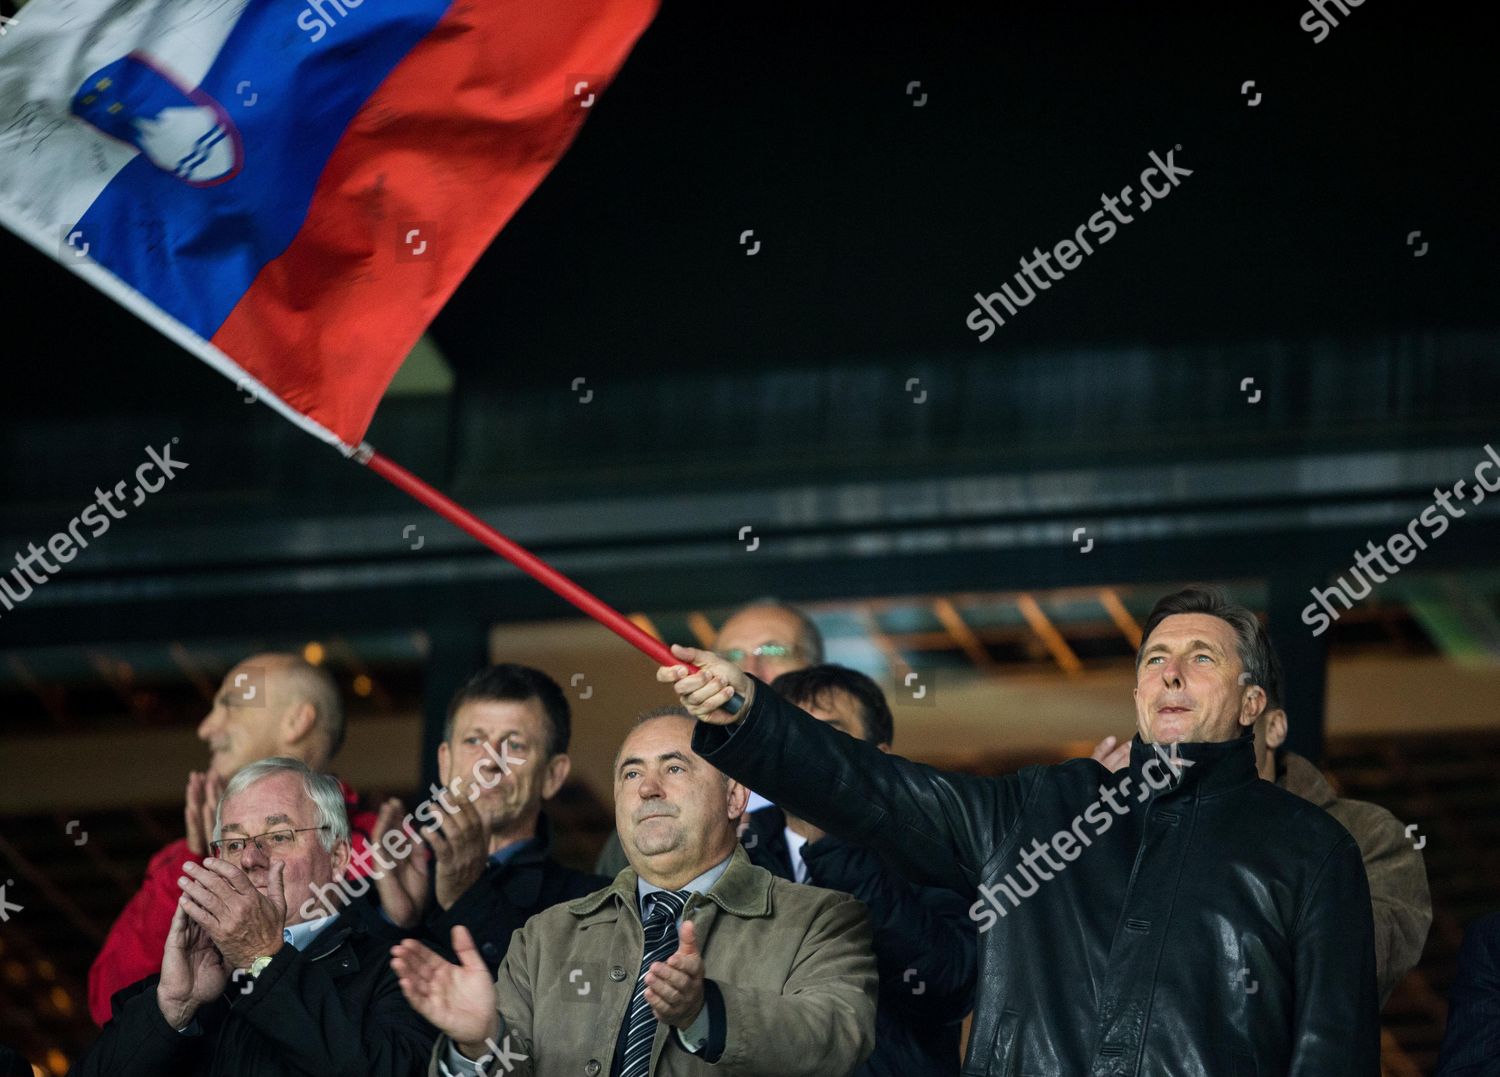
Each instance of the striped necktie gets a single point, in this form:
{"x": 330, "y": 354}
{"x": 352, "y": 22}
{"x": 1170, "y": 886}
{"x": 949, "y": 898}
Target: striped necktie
{"x": 663, "y": 907}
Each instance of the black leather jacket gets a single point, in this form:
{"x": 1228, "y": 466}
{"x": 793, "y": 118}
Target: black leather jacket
{"x": 1196, "y": 922}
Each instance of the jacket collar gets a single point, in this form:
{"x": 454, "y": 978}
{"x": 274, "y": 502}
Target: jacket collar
{"x": 538, "y": 847}
{"x": 1297, "y": 775}
{"x": 743, "y": 890}
{"x": 1196, "y": 768}
{"x": 328, "y": 940}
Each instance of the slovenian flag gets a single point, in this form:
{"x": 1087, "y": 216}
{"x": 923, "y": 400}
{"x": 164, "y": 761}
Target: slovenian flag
{"x": 291, "y": 189}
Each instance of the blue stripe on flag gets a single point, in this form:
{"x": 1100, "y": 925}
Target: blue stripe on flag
{"x": 194, "y": 251}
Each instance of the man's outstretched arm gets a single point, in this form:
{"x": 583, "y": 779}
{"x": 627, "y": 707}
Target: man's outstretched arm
{"x": 935, "y": 827}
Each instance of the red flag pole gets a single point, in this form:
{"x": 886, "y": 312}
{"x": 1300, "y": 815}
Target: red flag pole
{"x": 525, "y": 560}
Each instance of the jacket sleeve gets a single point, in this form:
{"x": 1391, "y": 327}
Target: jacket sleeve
{"x": 1471, "y": 1044}
{"x": 296, "y": 1005}
{"x": 132, "y": 951}
{"x": 1336, "y": 1014}
{"x": 1398, "y": 890}
{"x": 934, "y": 827}
{"x": 925, "y": 941}
{"x": 138, "y": 1042}
{"x": 823, "y": 1020}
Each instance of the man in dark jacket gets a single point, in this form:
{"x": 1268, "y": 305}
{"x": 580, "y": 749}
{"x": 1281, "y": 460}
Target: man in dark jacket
{"x": 1399, "y": 898}
{"x": 493, "y": 866}
{"x": 268, "y": 705}
{"x": 246, "y": 985}
{"x": 925, "y": 943}
{"x": 1192, "y": 919}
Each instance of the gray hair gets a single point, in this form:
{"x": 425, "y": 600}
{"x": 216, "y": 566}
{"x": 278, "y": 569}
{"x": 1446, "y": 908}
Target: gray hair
{"x": 324, "y": 791}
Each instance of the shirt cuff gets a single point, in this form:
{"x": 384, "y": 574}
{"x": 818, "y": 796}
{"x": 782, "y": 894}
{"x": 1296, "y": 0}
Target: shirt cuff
{"x": 454, "y": 1064}
{"x": 695, "y": 1037}
{"x": 705, "y": 1036}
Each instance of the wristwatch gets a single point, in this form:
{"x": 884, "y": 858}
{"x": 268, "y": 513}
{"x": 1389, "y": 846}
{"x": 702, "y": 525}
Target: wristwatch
{"x": 259, "y": 964}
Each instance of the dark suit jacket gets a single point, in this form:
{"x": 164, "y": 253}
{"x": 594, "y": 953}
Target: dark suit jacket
{"x": 333, "y": 1009}
{"x": 924, "y": 940}
{"x": 506, "y": 896}
{"x": 1471, "y": 1046}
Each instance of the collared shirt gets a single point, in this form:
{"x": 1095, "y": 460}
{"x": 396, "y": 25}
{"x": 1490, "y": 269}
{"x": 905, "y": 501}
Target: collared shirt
{"x": 794, "y": 844}
{"x": 299, "y": 935}
{"x": 692, "y": 1039}
{"x": 506, "y": 853}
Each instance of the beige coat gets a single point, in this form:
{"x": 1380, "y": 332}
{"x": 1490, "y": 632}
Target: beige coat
{"x": 793, "y": 962}
{"x": 1398, "y": 878}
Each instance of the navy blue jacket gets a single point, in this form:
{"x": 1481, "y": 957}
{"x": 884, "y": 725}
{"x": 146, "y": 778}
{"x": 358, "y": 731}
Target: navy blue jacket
{"x": 1471, "y": 1046}
{"x": 926, "y": 948}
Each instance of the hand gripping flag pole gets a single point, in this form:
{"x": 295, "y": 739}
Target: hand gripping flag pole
{"x": 526, "y": 561}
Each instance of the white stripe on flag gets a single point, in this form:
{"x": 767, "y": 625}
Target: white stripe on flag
{"x": 52, "y": 164}
{"x": 174, "y": 330}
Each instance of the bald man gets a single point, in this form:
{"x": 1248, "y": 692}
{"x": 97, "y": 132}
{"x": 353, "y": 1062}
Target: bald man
{"x": 268, "y": 705}
{"x": 765, "y": 638}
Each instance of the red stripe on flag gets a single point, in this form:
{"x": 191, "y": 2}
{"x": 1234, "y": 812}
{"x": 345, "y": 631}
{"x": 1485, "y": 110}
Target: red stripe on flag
{"x": 446, "y": 150}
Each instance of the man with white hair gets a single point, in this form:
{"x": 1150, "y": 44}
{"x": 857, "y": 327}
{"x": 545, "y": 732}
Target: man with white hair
{"x": 247, "y": 984}
{"x": 271, "y": 704}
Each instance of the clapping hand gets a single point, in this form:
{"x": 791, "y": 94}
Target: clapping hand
{"x": 674, "y": 987}
{"x": 402, "y": 889}
{"x": 193, "y": 971}
{"x": 243, "y": 923}
{"x": 458, "y": 999}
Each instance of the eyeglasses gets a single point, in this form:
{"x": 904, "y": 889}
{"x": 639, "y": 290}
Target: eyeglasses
{"x": 271, "y": 842}
{"x": 765, "y": 650}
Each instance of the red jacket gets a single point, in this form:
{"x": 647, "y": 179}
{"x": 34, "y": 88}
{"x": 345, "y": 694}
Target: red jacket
{"x": 134, "y": 947}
